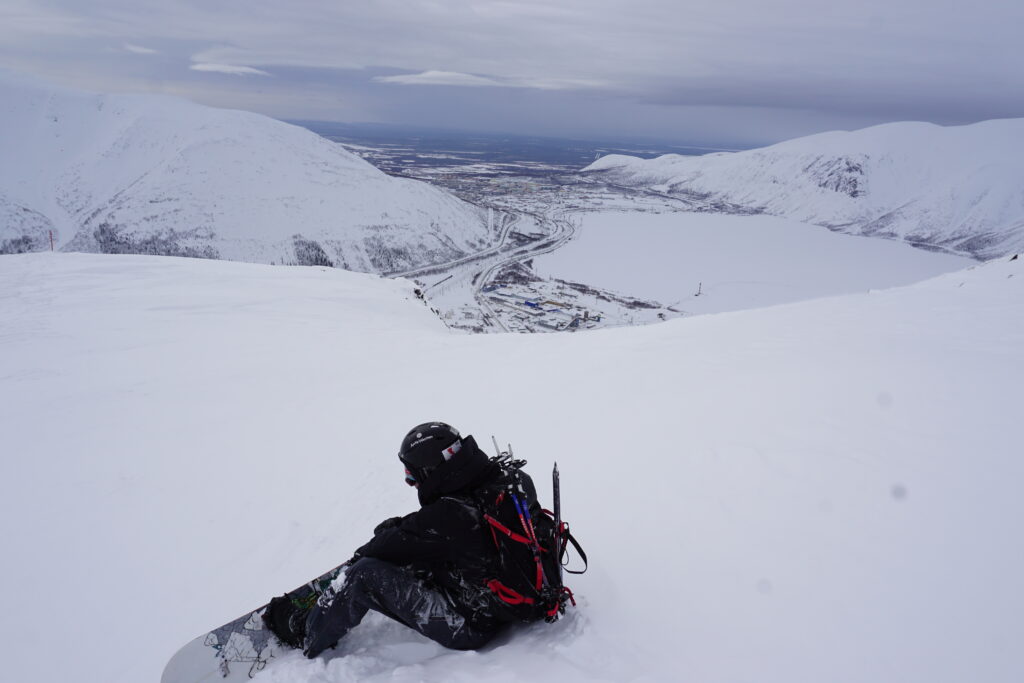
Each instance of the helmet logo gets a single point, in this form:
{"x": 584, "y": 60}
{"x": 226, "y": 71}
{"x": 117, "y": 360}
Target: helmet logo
{"x": 419, "y": 440}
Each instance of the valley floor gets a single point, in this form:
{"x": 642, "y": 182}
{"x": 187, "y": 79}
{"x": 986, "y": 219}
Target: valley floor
{"x": 588, "y": 256}
{"x": 581, "y": 253}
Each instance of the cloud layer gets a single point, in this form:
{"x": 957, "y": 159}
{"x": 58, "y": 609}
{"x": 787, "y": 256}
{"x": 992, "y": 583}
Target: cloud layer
{"x": 140, "y": 50}
{"x": 593, "y": 61}
{"x": 439, "y": 78}
{"x": 231, "y": 69}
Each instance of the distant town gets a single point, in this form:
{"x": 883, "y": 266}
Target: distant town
{"x": 531, "y": 188}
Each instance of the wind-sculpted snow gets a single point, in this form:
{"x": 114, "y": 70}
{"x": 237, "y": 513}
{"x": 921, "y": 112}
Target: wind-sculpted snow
{"x": 958, "y": 188}
{"x": 158, "y": 175}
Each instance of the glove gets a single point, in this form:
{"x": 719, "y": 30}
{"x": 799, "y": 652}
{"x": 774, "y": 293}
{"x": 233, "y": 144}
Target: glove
{"x": 390, "y": 523}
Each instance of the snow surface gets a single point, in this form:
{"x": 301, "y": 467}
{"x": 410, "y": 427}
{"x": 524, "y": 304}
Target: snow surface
{"x": 155, "y": 174}
{"x": 736, "y": 262}
{"x": 821, "y": 491}
{"x": 959, "y": 187}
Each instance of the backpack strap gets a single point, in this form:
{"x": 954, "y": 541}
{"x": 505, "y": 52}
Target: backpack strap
{"x": 508, "y": 595}
{"x": 575, "y": 544}
{"x": 495, "y": 524}
{"x": 565, "y": 539}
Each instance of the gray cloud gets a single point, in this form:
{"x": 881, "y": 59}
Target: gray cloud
{"x": 232, "y": 69}
{"x": 439, "y": 78}
{"x": 139, "y": 49}
{"x": 660, "y": 68}
{"x": 454, "y": 78}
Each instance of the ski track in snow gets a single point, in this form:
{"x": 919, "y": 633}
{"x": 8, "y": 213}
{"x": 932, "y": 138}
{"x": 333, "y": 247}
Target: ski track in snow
{"x": 820, "y": 491}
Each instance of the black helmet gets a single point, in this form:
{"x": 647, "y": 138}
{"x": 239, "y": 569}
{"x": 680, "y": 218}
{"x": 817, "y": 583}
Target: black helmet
{"x": 425, "y": 447}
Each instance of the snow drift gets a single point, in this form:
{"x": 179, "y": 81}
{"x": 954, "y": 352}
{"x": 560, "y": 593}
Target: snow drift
{"x": 821, "y": 491}
{"x": 160, "y": 175}
{"x": 955, "y": 188}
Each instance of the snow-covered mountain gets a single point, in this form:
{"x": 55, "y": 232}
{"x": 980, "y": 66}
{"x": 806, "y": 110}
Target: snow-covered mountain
{"x": 957, "y": 188}
{"x": 820, "y": 491}
{"x": 154, "y": 174}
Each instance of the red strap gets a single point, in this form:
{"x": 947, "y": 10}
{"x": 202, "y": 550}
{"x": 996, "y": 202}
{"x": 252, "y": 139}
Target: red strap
{"x": 507, "y": 595}
{"x": 495, "y": 524}
{"x": 558, "y": 603}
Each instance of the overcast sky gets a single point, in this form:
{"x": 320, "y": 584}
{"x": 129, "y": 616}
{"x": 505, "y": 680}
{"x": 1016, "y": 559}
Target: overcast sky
{"x": 731, "y": 72}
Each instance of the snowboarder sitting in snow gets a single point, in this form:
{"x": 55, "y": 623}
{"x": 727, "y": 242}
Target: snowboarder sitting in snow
{"x": 434, "y": 569}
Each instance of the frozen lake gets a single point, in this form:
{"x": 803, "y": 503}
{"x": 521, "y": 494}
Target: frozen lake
{"x": 738, "y": 262}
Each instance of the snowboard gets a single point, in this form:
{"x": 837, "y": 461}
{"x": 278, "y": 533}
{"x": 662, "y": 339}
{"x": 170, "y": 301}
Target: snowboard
{"x": 240, "y": 649}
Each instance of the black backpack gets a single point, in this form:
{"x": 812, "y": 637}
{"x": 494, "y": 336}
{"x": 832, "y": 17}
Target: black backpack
{"x": 530, "y": 550}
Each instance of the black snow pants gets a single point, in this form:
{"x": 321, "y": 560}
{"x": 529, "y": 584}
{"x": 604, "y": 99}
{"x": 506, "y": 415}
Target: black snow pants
{"x": 396, "y": 593}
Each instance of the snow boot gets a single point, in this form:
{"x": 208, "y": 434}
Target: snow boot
{"x": 287, "y": 621}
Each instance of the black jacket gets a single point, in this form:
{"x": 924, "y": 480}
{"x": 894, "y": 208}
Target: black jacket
{"x": 447, "y": 541}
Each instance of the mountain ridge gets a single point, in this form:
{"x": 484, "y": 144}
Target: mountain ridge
{"x": 156, "y": 174}
{"x": 958, "y": 188}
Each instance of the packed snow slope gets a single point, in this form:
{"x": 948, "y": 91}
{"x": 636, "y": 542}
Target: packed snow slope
{"x": 160, "y": 175}
{"x": 820, "y": 491}
{"x": 958, "y": 188}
